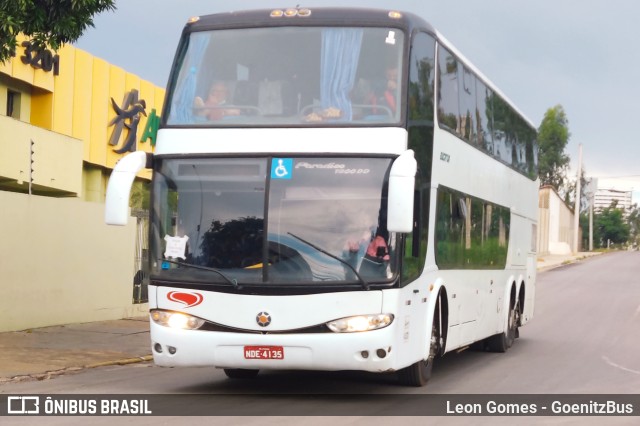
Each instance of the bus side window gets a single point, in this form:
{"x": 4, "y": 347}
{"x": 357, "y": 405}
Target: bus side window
{"x": 484, "y": 117}
{"x": 420, "y": 111}
{"x": 467, "y": 91}
{"x": 448, "y": 108}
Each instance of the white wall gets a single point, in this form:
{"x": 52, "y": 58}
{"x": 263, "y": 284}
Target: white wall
{"x": 555, "y": 224}
{"x": 60, "y": 264}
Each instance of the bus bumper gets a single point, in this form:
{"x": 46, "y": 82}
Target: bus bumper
{"x": 371, "y": 351}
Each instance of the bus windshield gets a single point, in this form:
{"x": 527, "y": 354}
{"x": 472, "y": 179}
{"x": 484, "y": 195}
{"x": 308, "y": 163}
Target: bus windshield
{"x": 284, "y": 76}
{"x": 272, "y": 221}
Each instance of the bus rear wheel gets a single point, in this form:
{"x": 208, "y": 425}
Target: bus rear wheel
{"x": 503, "y": 341}
{"x": 240, "y": 373}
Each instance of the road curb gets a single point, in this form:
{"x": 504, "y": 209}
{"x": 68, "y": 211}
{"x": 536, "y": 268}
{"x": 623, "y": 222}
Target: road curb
{"x": 568, "y": 261}
{"x": 56, "y": 373}
{"x": 124, "y": 361}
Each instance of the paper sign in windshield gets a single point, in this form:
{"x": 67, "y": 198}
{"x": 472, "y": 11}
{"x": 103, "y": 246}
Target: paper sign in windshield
{"x": 176, "y": 247}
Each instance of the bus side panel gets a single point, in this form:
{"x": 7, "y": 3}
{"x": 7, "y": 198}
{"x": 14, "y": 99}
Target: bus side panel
{"x": 153, "y": 299}
{"x": 413, "y": 305}
{"x": 529, "y": 290}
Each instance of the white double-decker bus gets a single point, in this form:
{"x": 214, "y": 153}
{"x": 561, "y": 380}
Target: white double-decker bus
{"x": 333, "y": 189}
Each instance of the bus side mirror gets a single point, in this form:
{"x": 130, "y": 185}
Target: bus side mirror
{"x": 402, "y": 179}
{"x": 116, "y": 211}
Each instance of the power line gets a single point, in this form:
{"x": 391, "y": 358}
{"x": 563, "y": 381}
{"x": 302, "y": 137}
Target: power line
{"x": 617, "y": 177}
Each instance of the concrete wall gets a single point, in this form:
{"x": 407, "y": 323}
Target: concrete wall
{"x": 60, "y": 264}
{"x": 555, "y": 223}
{"x": 50, "y": 151}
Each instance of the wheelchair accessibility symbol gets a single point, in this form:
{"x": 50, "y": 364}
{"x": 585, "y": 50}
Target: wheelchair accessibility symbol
{"x": 281, "y": 168}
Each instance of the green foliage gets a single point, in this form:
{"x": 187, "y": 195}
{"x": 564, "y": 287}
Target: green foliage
{"x": 584, "y": 225}
{"x": 411, "y": 266}
{"x": 470, "y": 233}
{"x": 634, "y": 225}
{"x": 47, "y": 22}
{"x": 569, "y": 190}
{"x": 507, "y": 125}
{"x": 140, "y": 195}
{"x": 490, "y": 254}
{"x": 553, "y": 136}
{"x": 609, "y": 225}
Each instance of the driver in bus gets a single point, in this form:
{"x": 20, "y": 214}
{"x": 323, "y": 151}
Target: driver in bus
{"x": 213, "y": 106}
{"x": 369, "y": 255}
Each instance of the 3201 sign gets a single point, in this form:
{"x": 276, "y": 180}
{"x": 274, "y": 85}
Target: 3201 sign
{"x": 40, "y": 58}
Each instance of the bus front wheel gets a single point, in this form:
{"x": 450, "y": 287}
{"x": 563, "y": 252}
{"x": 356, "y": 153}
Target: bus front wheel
{"x": 419, "y": 373}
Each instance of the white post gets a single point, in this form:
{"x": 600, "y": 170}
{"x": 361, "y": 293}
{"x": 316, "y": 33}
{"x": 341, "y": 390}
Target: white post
{"x": 591, "y": 222}
{"x": 576, "y": 210}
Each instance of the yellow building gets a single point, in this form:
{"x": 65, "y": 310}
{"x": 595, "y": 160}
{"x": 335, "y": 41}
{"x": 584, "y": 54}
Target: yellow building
{"x": 66, "y": 118}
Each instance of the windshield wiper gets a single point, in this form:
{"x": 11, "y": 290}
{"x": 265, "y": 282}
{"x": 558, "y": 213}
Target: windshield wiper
{"x": 365, "y": 284}
{"x": 231, "y": 281}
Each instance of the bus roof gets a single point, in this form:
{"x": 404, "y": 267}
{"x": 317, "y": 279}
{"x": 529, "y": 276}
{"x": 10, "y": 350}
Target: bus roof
{"x": 317, "y": 16}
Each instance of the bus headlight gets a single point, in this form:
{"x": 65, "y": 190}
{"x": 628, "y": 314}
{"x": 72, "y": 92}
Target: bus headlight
{"x": 360, "y": 323}
{"x": 176, "y": 320}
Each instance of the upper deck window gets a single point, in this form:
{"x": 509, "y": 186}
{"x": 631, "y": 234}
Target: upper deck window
{"x": 282, "y": 76}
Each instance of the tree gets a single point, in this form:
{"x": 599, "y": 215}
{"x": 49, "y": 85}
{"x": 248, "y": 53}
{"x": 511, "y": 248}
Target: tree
{"x": 49, "y": 23}
{"x": 569, "y": 189}
{"x": 610, "y": 226}
{"x": 553, "y": 136}
{"x": 235, "y": 243}
{"x": 634, "y": 224}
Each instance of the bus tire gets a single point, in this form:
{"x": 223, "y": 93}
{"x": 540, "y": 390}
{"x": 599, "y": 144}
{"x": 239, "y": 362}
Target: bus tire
{"x": 240, "y": 373}
{"x": 501, "y": 342}
{"x": 419, "y": 373}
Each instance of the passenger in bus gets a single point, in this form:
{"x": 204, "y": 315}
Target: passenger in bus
{"x": 213, "y": 106}
{"x": 389, "y": 96}
{"x": 379, "y": 97}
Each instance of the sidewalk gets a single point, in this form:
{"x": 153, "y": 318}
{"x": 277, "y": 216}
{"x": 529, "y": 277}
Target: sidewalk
{"x": 554, "y": 260}
{"x": 44, "y": 353}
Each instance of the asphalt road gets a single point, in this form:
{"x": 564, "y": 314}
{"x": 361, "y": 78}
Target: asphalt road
{"x": 584, "y": 339}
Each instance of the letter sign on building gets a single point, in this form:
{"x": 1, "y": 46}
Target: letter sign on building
{"x": 40, "y": 58}
{"x": 128, "y": 115}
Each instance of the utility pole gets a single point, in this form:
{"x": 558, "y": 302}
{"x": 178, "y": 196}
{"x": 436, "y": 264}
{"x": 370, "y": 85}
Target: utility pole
{"x": 590, "y": 193}
{"x": 591, "y": 220}
{"x": 576, "y": 210}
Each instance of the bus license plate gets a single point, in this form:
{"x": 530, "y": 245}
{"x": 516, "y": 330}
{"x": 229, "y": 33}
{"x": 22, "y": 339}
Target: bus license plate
{"x": 263, "y": 352}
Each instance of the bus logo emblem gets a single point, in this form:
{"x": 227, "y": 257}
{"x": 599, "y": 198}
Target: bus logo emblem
{"x": 263, "y": 319}
{"x": 186, "y": 298}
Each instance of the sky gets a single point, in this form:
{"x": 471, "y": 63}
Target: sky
{"x": 580, "y": 54}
